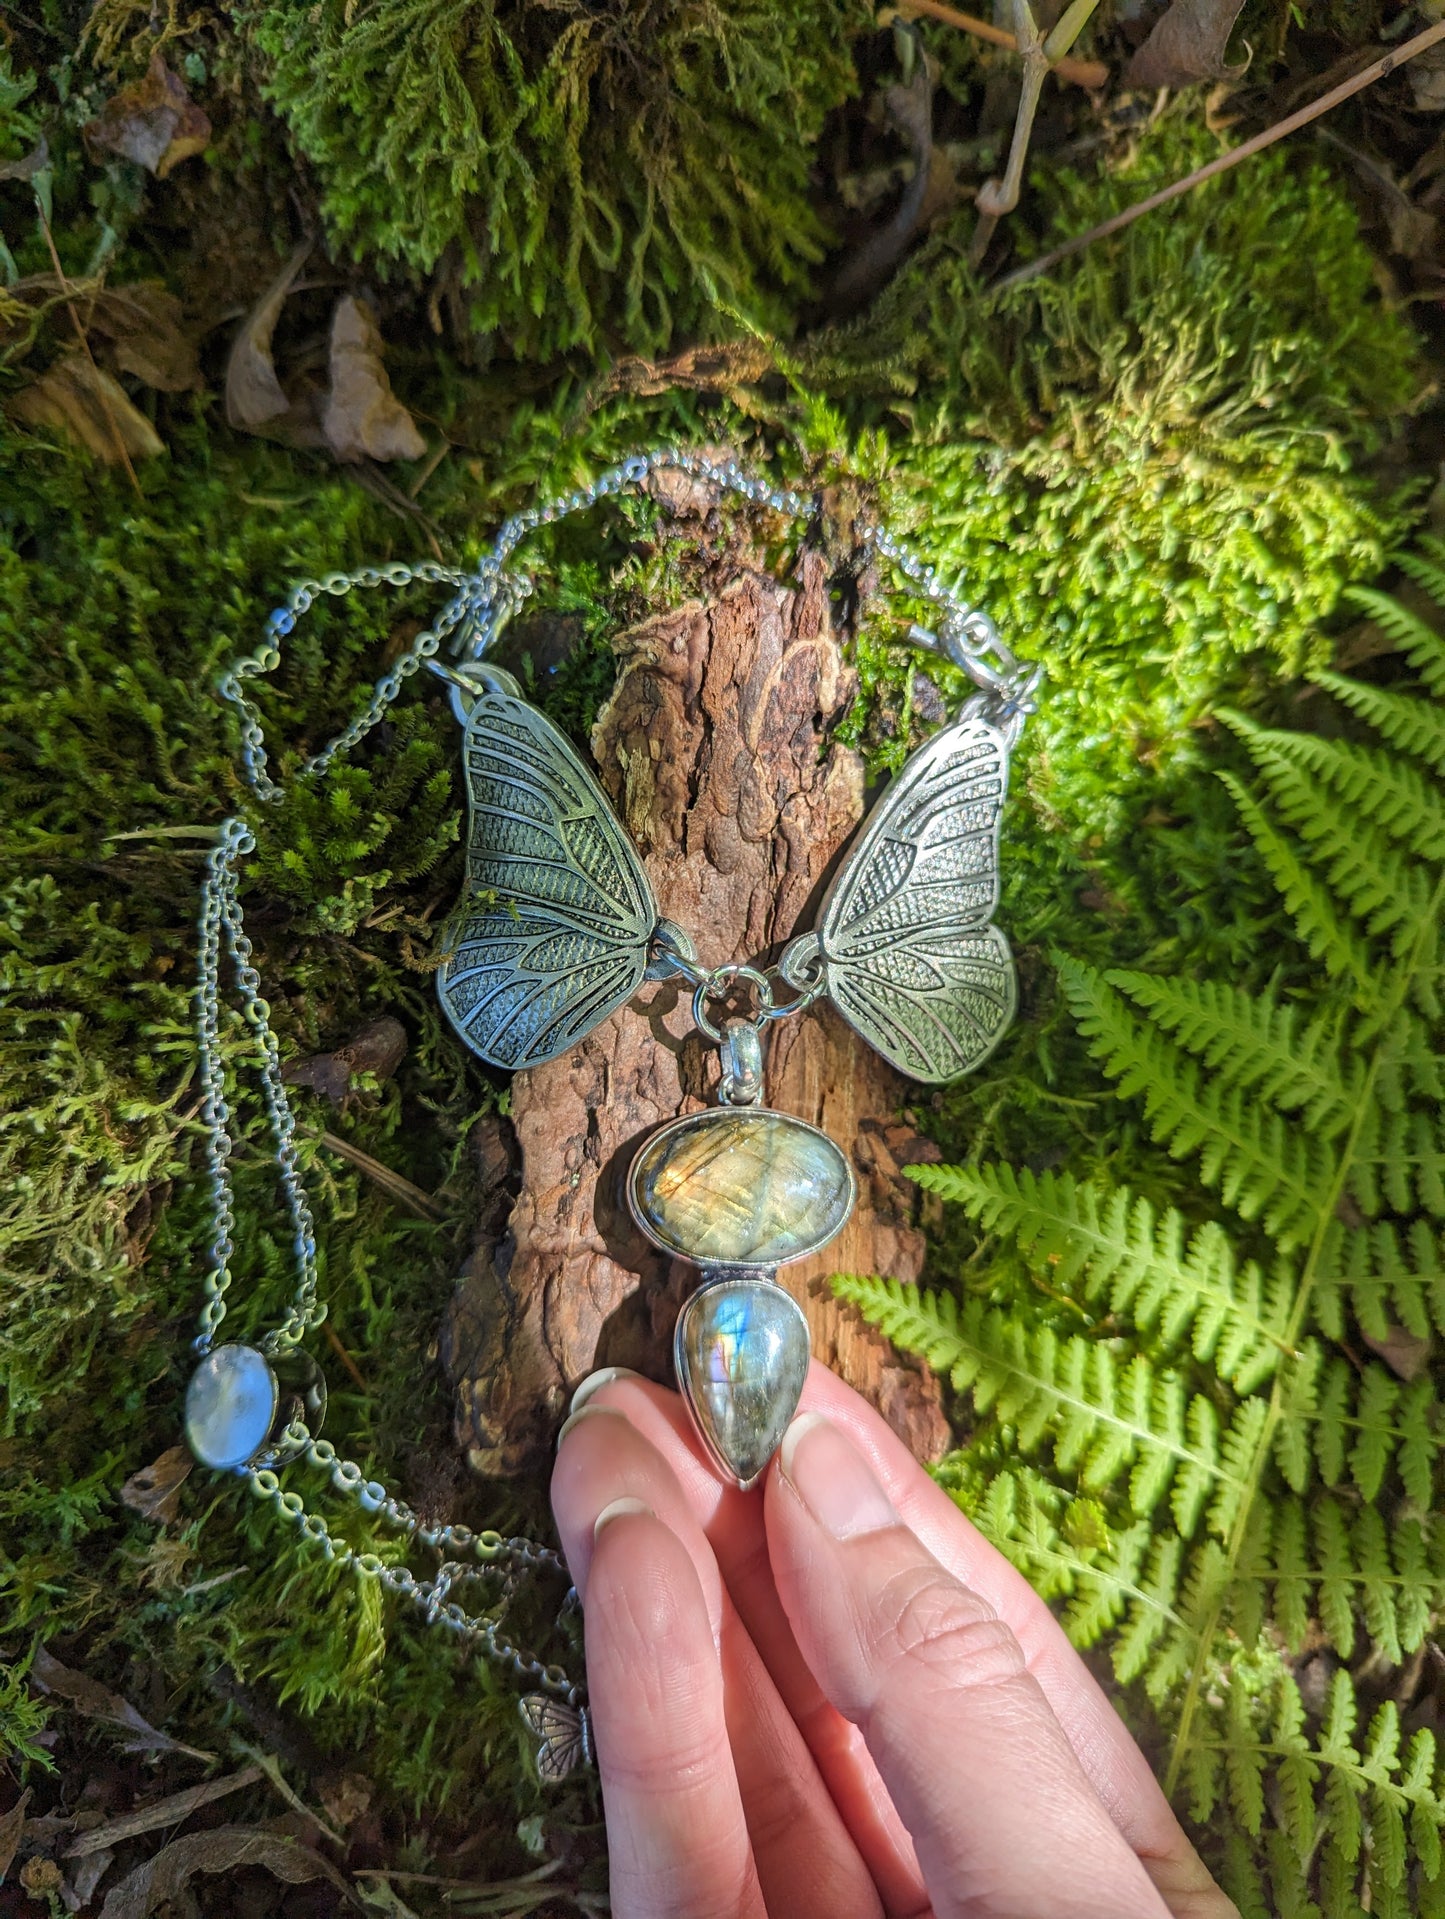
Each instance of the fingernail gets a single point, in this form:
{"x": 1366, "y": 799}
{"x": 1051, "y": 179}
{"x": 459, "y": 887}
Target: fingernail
{"x": 595, "y": 1381}
{"x": 619, "y": 1509}
{"x": 832, "y": 1479}
{"x": 580, "y": 1413}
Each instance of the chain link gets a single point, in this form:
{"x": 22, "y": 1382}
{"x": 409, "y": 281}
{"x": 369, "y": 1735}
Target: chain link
{"x": 482, "y": 601}
{"x": 494, "y": 1556}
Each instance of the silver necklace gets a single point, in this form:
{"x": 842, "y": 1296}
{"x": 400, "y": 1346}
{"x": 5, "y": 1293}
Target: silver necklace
{"x": 556, "y": 929}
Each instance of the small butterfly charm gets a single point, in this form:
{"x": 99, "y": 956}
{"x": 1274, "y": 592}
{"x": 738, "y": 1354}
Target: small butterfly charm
{"x": 563, "y": 1734}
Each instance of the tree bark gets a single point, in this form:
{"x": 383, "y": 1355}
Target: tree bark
{"x": 716, "y": 749}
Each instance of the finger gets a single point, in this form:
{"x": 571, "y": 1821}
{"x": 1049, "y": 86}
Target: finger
{"x": 975, "y": 1760}
{"x": 1115, "y": 1767}
{"x": 807, "y": 1863}
{"x": 1113, "y": 1763}
{"x": 677, "y": 1835}
{"x": 733, "y": 1526}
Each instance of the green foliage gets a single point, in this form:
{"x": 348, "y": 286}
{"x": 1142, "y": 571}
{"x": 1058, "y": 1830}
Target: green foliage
{"x": 1093, "y": 472}
{"x": 605, "y": 174}
{"x": 118, "y": 761}
{"x": 1155, "y": 458}
{"x": 1179, "y": 1434}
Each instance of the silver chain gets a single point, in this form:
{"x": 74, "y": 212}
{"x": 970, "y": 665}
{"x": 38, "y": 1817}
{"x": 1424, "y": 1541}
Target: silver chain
{"x": 482, "y": 601}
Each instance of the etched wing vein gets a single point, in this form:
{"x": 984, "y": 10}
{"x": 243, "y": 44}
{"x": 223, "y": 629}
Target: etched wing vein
{"x": 552, "y": 933}
{"x": 911, "y": 959}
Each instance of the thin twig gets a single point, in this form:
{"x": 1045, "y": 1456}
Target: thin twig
{"x": 268, "y": 1764}
{"x": 1387, "y": 64}
{"x": 84, "y": 340}
{"x": 1091, "y": 74}
{"x": 394, "y": 1184}
{"x": 334, "y": 1341}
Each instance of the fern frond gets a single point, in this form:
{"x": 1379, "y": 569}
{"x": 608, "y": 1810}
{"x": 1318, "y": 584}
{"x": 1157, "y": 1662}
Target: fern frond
{"x": 1412, "y": 724}
{"x": 1109, "y": 1578}
{"x": 1420, "y": 642}
{"x": 1375, "y": 880}
{"x": 1214, "y": 1475}
{"x": 1365, "y": 1805}
{"x": 1264, "y": 1168}
{"x": 1399, "y": 1163}
{"x": 1388, "y": 1274}
{"x": 1381, "y": 789}
{"x": 1103, "y": 1420}
{"x": 1142, "y": 1263}
{"x": 1255, "y": 1043}
{"x": 1322, "y": 927}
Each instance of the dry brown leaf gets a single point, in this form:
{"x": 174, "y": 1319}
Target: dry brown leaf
{"x": 1427, "y": 80}
{"x": 1406, "y": 1354}
{"x": 12, "y": 1825}
{"x": 29, "y": 164}
{"x": 145, "y": 328}
{"x": 155, "y": 1491}
{"x": 347, "y": 1799}
{"x": 41, "y": 1877}
{"x": 83, "y": 1878}
{"x": 378, "y": 1047}
{"x": 725, "y": 368}
{"x": 153, "y": 122}
{"x": 170, "y": 1811}
{"x": 143, "y": 1892}
{"x": 256, "y": 402}
{"x": 82, "y": 402}
{"x": 362, "y": 417}
{"x": 1187, "y": 46}
{"x": 93, "y": 1701}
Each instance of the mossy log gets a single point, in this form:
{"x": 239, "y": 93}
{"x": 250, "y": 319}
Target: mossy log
{"x": 716, "y": 749}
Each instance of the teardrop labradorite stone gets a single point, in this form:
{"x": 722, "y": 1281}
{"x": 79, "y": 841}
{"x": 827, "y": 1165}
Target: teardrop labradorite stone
{"x": 741, "y": 1350}
{"x": 741, "y": 1186}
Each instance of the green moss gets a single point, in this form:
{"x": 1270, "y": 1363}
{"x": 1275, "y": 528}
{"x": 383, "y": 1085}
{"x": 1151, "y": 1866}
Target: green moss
{"x": 602, "y": 174}
{"x": 1155, "y": 469}
{"x": 1157, "y": 458}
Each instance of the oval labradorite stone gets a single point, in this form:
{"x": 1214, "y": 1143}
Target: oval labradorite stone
{"x": 740, "y": 1186}
{"x": 230, "y": 1406}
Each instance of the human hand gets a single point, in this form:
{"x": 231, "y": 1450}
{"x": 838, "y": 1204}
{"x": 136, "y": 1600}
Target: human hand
{"x": 831, "y": 1698}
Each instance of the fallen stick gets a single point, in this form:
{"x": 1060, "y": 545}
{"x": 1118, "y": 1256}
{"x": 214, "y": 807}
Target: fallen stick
{"x": 1091, "y": 74}
{"x": 1367, "y": 77}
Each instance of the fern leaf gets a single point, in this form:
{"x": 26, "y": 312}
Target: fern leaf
{"x": 1102, "y": 1422}
{"x": 1256, "y": 1044}
{"x": 1416, "y": 726}
{"x": 1141, "y": 1264}
{"x": 1265, "y": 1169}
{"x": 1375, "y": 880}
{"x": 1322, "y": 927}
{"x": 1380, "y": 788}
{"x": 1421, "y": 644}
{"x": 1388, "y": 1275}
{"x": 1267, "y": 1488}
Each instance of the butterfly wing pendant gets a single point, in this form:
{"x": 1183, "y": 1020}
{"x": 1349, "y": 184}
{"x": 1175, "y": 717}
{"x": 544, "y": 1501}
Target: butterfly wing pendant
{"x": 552, "y": 932}
{"x": 903, "y": 943}
{"x": 563, "y": 1734}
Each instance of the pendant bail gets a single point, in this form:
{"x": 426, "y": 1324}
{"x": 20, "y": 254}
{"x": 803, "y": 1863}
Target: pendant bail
{"x": 742, "y": 1063}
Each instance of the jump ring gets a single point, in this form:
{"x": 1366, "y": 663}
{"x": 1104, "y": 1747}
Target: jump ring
{"x": 715, "y": 986}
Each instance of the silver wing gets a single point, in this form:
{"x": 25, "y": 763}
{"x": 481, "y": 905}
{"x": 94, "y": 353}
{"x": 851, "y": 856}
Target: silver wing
{"x": 906, "y": 950}
{"x": 552, "y": 932}
{"x": 562, "y": 1732}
